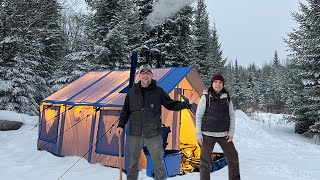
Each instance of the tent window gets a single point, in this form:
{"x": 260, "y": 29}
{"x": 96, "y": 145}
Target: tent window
{"x": 49, "y": 124}
{"x": 108, "y": 144}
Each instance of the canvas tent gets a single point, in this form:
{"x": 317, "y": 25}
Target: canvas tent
{"x": 74, "y": 120}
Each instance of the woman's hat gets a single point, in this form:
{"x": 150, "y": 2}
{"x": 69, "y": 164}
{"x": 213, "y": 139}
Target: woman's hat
{"x": 217, "y": 76}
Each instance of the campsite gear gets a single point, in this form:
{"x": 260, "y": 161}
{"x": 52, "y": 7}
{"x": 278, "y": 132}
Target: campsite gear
{"x": 120, "y": 158}
{"x": 189, "y": 162}
{"x": 171, "y": 162}
{"x": 184, "y": 161}
{"x": 103, "y": 89}
{"x": 218, "y": 161}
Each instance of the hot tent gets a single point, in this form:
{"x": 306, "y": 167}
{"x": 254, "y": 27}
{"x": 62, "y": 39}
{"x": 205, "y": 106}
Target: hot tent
{"x": 74, "y": 120}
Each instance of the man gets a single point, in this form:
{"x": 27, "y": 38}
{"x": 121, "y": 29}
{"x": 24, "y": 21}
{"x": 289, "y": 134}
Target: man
{"x": 142, "y": 107}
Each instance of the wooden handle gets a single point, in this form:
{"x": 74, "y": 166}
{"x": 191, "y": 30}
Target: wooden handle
{"x": 120, "y": 158}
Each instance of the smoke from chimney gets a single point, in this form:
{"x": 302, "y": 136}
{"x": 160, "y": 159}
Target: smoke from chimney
{"x": 163, "y": 9}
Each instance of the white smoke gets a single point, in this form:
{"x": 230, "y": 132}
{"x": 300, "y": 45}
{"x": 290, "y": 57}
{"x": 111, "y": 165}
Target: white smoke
{"x": 163, "y": 9}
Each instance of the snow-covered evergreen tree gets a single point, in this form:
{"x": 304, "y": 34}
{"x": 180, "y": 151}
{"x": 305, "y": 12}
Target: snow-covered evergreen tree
{"x": 144, "y": 8}
{"x": 146, "y": 41}
{"x": 202, "y": 41}
{"x": 267, "y": 86}
{"x": 251, "y": 90}
{"x": 184, "y": 39}
{"x": 109, "y": 40}
{"x": 237, "y": 89}
{"x": 31, "y": 46}
{"x": 304, "y": 44}
{"x": 276, "y": 77}
{"x": 216, "y": 61}
{"x": 229, "y": 76}
{"x": 175, "y": 42}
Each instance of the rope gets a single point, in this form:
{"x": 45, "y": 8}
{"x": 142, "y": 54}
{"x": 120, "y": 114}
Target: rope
{"x": 70, "y": 127}
{"x": 113, "y": 124}
{"x": 52, "y": 118}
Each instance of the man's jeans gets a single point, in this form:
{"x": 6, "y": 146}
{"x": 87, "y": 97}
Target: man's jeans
{"x": 155, "y": 148}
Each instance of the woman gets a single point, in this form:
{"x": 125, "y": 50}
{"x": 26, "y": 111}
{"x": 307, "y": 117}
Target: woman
{"x": 215, "y": 124}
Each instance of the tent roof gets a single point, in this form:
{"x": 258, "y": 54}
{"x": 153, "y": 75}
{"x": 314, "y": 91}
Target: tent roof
{"x": 103, "y": 88}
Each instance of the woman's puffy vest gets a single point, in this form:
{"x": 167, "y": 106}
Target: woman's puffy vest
{"x": 216, "y": 117}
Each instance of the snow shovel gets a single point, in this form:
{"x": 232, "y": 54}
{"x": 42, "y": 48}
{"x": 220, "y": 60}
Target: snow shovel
{"x": 120, "y": 158}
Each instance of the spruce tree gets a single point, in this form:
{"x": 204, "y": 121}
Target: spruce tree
{"x": 184, "y": 40}
{"x": 175, "y": 42}
{"x": 276, "y": 77}
{"x": 32, "y": 46}
{"x": 251, "y": 87}
{"x": 303, "y": 43}
{"x": 238, "y": 90}
{"x": 229, "y": 77}
{"x": 202, "y": 41}
{"x": 109, "y": 40}
{"x": 215, "y": 62}
{"x": 261, "y": 95}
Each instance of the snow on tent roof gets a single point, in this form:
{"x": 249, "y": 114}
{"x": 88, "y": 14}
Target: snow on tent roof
{"x": 103, "y": 88}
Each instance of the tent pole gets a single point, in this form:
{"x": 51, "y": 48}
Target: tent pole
{"x": 120, "y": 159}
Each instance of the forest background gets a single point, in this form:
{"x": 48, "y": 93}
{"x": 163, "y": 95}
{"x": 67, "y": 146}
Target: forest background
{"x": 45, "y": 45}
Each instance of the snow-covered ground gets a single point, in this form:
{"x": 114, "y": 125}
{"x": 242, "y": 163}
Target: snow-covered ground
{"x": 268, "y": 150}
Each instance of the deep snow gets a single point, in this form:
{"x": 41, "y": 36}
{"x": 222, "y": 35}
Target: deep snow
{"x": 268, "y": 150}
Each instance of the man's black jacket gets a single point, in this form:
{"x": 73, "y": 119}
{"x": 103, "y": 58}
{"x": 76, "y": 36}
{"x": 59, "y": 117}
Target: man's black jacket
{"x": 143, "y": 109}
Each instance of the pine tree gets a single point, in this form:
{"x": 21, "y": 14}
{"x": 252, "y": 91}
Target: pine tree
{"x": 238, "y": 93}
{"x": 267, "y": 86}
{"x": 276, "y": 77}
{"x": 145, "y": 41}
{"x": 167, "y": 44}
{"x": 175, "y": 41}
{"x": 131, "y": 24}
{"x": 49, "y": 39}
{"x": 262, "y": 102}
{"x": 216, "y": 62}
{"x": 229, "y": 76}
{"x": 304, "y": 43}
{"x": 31, "y": 44}
{"x": 202, "y": 41}
{"x": 251, "y": 87}
{"x": 109, "y": 40}
{"x": 144, "y": 8}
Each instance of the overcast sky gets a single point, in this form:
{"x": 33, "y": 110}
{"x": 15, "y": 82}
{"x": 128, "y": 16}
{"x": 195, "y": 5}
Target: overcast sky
{"x": 251, "y": 30}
